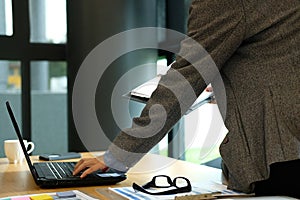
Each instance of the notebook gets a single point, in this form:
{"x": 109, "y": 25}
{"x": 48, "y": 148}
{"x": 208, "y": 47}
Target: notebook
{"x": 59, "y": 174}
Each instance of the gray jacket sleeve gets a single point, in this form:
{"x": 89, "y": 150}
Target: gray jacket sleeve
{"x": 218, "y": 26}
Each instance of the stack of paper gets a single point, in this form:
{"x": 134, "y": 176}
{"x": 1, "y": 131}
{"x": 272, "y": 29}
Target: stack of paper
{"x": 146, "y": 89}
{"x": 197, "y": 189}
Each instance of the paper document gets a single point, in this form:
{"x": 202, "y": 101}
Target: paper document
{"x": 197, "y": 189}
{"x": 146, "y": 89}
{"x": 63, "y": 195}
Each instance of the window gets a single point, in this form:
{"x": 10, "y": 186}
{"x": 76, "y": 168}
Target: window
{"x": 199, "y": 133}
{"x": 48, "y": 21}
{"x": 6, "y": 18}
{"x": 49, "y": 106}
{"x": 10, "y": 90}
{"x": 204, "y": 131}
{"x": 33, "y": 72}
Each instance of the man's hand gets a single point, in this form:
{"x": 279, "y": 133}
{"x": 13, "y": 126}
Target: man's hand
{"x": 210, "y": 89}
{"x": 89, "y": 165}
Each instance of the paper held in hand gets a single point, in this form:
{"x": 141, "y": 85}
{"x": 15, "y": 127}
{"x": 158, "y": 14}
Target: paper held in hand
{"x": 146, "y": 89}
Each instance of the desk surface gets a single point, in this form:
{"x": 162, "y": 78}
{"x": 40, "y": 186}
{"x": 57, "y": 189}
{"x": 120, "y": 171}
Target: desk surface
{"x": 16, "y": 179}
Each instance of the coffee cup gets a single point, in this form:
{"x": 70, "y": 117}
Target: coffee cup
{"x": 14, "y": 152}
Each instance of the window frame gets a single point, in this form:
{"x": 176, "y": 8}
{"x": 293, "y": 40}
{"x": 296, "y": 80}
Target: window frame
{"x": 18, "y": 47}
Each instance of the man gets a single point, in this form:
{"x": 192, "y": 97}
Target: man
{"x": 255, "y": 46}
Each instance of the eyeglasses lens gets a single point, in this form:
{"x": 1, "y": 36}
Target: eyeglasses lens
{"x": 180, "y": 182}
{"x": 162, "y": 181}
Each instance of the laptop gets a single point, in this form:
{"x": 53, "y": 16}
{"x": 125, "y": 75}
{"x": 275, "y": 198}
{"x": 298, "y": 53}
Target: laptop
{"x": 59, "y": 174}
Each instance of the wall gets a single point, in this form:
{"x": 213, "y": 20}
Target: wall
{"x": 90, "y": 23}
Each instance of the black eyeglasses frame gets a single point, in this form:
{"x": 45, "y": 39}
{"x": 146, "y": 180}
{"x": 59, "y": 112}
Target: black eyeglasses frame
{"x": 152, "y": 184}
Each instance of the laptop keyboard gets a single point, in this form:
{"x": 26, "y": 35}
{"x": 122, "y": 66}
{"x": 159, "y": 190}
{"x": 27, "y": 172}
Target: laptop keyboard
{"x": 57, "y": 170}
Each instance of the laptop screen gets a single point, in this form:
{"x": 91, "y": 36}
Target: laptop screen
{"x": 18, "y": 132}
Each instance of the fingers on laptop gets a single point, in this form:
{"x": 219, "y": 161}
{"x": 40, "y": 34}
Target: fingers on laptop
{"x": 89, "y": 165}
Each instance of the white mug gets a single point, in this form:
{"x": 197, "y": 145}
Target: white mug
{"x": 13, "y": 150}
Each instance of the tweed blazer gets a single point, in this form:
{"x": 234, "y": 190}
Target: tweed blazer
{"x": 255, "y": 46}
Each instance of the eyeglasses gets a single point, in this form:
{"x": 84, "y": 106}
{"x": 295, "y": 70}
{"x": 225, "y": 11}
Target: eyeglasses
{"x": 180, "y": 184}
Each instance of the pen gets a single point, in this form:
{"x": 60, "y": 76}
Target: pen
{"x": 212, "y": 195}
{"x": 205, "y": 196}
